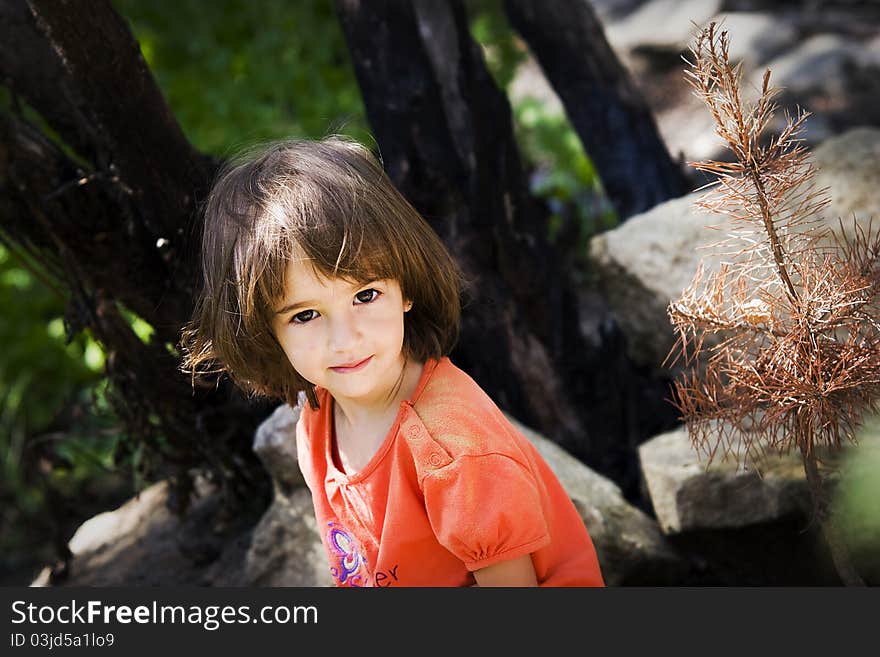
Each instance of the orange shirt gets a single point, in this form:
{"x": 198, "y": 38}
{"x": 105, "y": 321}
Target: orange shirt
{"x": 453, "y": 488}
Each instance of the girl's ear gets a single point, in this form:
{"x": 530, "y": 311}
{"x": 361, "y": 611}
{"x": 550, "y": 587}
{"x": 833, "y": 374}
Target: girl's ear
{"x": 407, "y": 306}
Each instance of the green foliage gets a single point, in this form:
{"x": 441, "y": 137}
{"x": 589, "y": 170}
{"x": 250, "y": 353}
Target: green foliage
{"x": 38, "y": 371}
{"x": 237, "y": 72}
{"x": 857, "y": 495}
{"x": 502, "y": 50}
{"x": 56, "y": 433}
{"x": 562, "y": 173}
{"x": 245, "y": 72}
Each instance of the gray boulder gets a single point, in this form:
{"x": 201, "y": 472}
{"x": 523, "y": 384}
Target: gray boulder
{"x": 286, "y": 547}
{"x": 645, "y": 263}
{"x": 629, "y": 544}
{"x": 276, "y": 448}
{"x": 143, "y": 543}
{"x": 821, "y": 61}
{"x": 755, "y": 36}
{"x": 690, "y": 493}
{"x": 660, "y": 24}
{"x": 650, "y": 259}
{"x": 748, "y": 519}
{"x": 849, "y": 166}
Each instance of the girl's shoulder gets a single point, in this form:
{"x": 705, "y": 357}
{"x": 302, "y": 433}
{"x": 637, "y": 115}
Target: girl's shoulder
{"x": 450, "y": 391}
{"x": 459, "y": 415}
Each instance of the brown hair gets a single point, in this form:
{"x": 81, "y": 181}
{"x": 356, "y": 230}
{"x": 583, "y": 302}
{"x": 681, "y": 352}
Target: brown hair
{"x": 331, "y": 200}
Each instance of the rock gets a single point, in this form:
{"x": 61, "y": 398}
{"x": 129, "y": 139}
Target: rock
{"x": 830, "y": 75}
{"x": 684, "y": 123}
{"x": 629, "y": 544}
{"x": 834, "y": 73}
{"x": 277, "y": 452}
{"x": 688, "y": 130}
{"x": 644, "y": 264}
{"x": 755, "y": 37}
{"x": 690, "y": 493}
{"x": 819, "y": 61}
{"x": 142, "y": 543}
{"x": 848, "y": 166}
{"x": 661, "y": 24}
{"x": 650, "y": 259}
{"x": 286, "y": 548}
{"x": 748, "y": 520}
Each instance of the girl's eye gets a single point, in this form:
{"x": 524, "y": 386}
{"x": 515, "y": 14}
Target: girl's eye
{"x": 367, "y": 296}
{"x": 303, "y": 317}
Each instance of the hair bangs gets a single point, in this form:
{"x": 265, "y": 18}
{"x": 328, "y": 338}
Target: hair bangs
{"x": 338, "y": 231}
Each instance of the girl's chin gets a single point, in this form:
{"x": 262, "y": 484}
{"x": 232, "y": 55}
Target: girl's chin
{"x": 364, "y": 385}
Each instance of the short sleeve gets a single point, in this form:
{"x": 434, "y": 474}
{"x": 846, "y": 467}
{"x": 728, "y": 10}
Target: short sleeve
{"x": 485, "y": 509}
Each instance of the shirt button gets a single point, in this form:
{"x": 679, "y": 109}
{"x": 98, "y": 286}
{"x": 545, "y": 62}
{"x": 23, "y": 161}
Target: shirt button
{"x": 435, "y": 459}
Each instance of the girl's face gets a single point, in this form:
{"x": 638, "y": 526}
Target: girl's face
{"x": 344, "y": 337}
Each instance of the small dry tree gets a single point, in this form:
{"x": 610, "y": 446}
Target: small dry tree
{"x": 792, "y": 359}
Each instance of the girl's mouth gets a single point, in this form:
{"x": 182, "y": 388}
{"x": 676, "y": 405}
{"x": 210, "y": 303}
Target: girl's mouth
{"x": 356, "y": 367}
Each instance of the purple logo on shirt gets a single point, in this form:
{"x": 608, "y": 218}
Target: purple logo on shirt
{"x": 347, "y": 557}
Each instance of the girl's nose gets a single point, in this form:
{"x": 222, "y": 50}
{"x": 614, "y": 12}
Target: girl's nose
{"x": 343, "y": 333}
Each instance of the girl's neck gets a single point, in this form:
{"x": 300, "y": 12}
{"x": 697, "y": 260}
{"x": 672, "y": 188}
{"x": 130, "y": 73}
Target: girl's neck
{"x": 349, "y": 415}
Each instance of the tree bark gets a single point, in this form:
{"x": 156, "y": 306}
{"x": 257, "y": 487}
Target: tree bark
{"x": 445, "y": 134}
{"x": 111, "y": 219}
{"x": 109, "y": 110}
{"x": 606, "y": 109}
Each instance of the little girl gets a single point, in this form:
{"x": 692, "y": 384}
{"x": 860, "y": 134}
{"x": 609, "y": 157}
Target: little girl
{"x": 321, "y": 279}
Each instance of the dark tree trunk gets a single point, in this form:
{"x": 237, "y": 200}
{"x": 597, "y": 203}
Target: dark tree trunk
{"x": 609, "y": 114}
{"x": 445, "y": 135}
{"x": 113, "y": 224}
{"x": 88, "y": 81}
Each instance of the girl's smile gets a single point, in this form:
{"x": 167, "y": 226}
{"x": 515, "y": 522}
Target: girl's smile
{"x": 352, "y": 367}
